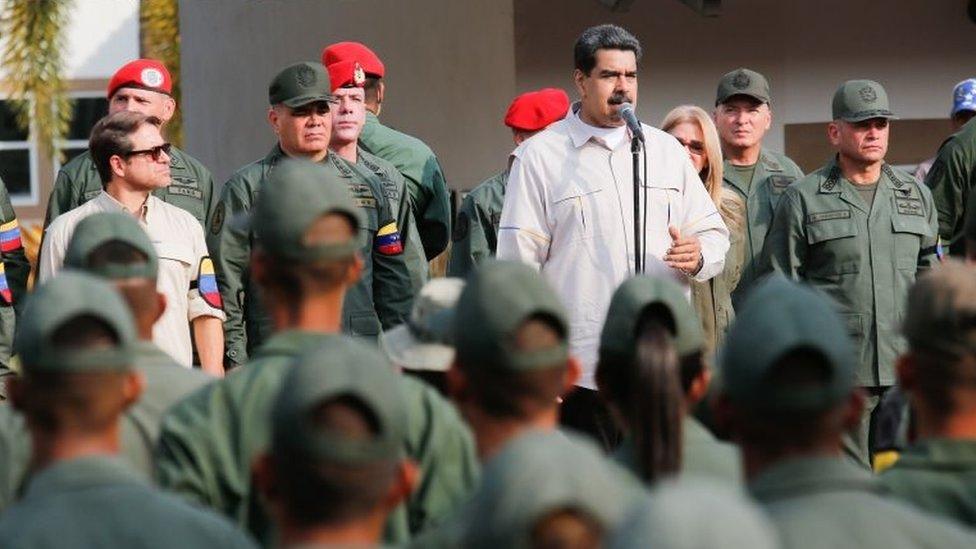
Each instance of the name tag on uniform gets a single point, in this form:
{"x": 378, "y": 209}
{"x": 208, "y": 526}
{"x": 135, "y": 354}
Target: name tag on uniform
{"x": 909, "y": 206}
{"x": 779, "y": 183}
{"x": 366, "y": 202}
{"x": 185, "y": 191}
{"x": 828, "y": 216}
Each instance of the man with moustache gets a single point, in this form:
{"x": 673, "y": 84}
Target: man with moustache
{"x": 568, "y": 209}
{"x": 860, "y": 230}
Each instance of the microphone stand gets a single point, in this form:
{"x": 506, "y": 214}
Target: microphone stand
{"x": 635, "y": 147}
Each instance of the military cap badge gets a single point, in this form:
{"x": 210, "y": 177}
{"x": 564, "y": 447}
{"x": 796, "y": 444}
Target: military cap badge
{"x": 305, "y": 76}
{"x": 741, "y": 81}
{"x": 867, "y": 94}
{"x": 358, "y": 75}
{"x": 151, "y": 77}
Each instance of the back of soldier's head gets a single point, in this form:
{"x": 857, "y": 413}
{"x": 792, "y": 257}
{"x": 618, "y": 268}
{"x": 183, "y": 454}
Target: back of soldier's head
{"x": 510, "y": 334}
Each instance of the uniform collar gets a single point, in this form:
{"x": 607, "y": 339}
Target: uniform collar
{"x": 805, "y": 476}
{"x": 941, "y": 453}
{"x": 581, "y": 133}
{"x": 80, "y": 474}
{"x": 292, "y": 343}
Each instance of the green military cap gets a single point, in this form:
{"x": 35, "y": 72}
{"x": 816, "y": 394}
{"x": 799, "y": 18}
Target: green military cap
{"x": 941, "y": 313}
{"x": 498, "y": 298}
{"x": 301, "y": 84}
{"x": 857, "y": 100}
{"x": 632, "y": 298}
{"x": 340, "y": 367}
{"x": 742, "y": 82}
{"x": 102, "y": 228}
{"x": 423, "y": 342}
{"x": 695, "y": 513}
{"x": 299, "y": 192}
{"x": 538, "y": 473}
{"x": 779, "y": 317}
{"x": 65, "y": 297}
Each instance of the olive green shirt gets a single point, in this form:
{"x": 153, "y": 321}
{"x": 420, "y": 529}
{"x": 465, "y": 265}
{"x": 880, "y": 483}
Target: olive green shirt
{"x": 429, "y": 194}
{"x": 381, "y": 299}
{"x": 712, "y": 298}
{"x": 938, "y": 476}
{"x": 210, "y": 440}
{"x": 475, "y": 237}
{"x": 16, "y": 271}
{"x": 866, "y": 259}
{"x": 15, "y": 453}
{"x": 98, "y": 502}
{"x": 190, "y": 188}
{"x": 773, "y": 173}
{"x": 824, "y": 502}
{"x": 952, "y": 178}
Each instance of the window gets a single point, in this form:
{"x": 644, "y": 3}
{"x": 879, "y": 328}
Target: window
{"x": 18, "y": 158}
{"x": 89, "y": 108}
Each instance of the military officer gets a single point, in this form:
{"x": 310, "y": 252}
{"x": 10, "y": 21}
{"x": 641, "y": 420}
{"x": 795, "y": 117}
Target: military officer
{"x": 743, "y": 114}
{"x": 335, "y": 470}
{"x": 301, "y": 116}
{"x": 860, "y": 230}
{"x": 952, "y": 178}
{"x": 963, "y": 110}
{"x": 14, "y": 272}
{"x": 306, "y": 259}
{"x": 347, "y": 79}
{"x": 76, "y": 345}
{"x": 475, "y": 235}
{"x": 788, "y": 393}
{"x": 938, "y": 372}
{"x": 411, "y": 156}
{"x": 144, "y": 86}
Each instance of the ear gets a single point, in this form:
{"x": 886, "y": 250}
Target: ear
{"x": 273, "y": 119}
{"x": 133, "y": 387}
{"x": 355, "y": 270}
{"x": 380, "y": 94}
{"x": 578, "y": 78}
{"x": 699, "y": 387}
{"x": 769, "y": 117}
{"x": 160, "y": 306}
{"x": 117, "y": 164}
{"x": 853, "y": 409}
{"x": 833, "y": 133}
{"x": 906, "y": 371}
{"x": 574, "y": 370}
{"x": 169, "y": 109}
{"x": 407, "y": 480}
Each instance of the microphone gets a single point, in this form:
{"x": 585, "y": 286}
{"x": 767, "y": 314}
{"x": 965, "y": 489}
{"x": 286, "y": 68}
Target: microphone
{"x": 626, "y": 111}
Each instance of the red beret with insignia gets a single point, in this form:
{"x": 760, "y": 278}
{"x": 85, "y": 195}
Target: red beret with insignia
{"x": 533, "y": 111}
{"x": 146, "y": 74}
{"x": 346, "y": 74}
{"x": 354, "y": 51}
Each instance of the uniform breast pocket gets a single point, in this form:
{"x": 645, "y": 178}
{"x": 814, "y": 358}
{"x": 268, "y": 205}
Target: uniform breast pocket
{"x": 176, "y": 251}
{"x": 577, "y": 210}
{"x": 834, "y": 246}
{"x": 910, "y": 233}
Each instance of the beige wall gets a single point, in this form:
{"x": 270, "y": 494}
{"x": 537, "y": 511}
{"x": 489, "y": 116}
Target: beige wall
{"x": 450, "y": 72}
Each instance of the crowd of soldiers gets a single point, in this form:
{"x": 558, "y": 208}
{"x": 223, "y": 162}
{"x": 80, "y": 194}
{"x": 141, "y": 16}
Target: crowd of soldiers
{"x": 267, "y": 364}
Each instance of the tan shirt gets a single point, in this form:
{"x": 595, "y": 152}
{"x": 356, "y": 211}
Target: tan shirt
{"x": 178, "y": 238}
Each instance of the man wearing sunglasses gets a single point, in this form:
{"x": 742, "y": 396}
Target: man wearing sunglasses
{"x": 144, "y": 86}
{"x": 133, "y": 161}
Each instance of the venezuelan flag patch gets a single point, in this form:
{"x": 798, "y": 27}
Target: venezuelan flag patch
{"x": 5, "y": 295}
{"x": 388, "y": 240}
{"x": 10, "y": 236}
{"x": 207, "y": 284}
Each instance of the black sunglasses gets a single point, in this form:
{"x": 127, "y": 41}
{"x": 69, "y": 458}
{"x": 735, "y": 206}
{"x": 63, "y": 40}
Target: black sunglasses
{"x": 154, "y": 152}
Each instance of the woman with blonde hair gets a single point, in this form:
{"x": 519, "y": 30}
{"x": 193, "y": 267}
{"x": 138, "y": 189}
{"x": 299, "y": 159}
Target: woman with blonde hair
{"x": 694, "y": 129}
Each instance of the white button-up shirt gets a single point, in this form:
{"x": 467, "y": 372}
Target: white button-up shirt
{"x": 569, "y": 213}
{"x": 178, "y": 238}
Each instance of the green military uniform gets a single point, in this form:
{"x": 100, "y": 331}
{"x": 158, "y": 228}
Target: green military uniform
{"x": 475, "y": 235}
{"x": 94, "y": 500}
{"x": 702, "y": 455}
{"x": 396, "y": 192}
{"x": 15, "y": 450}
{"x": 952, "y": 178}
{"x": 712, "y": 298}
{"x": 190, "y": 188}
{"x": 424, "y": 177}
{"x": 938, "y": 476}
{"x": 14, "y": 271}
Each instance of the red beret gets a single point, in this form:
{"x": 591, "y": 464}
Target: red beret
{"x": 354, "y": 51}
{"x": 535, "y": 110}
{"x": 146, "y": 74}
{"x": 346, "y": 74}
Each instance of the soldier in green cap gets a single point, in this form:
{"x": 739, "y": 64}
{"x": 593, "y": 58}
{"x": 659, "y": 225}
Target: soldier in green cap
{"x": 76, "y": 345}
{"x": 306, "y": 260}
{"x": 743, "y": 114}
{"x": 859, "y": 229}
{"x": 114, "y": 247}
{"x": 335, "y": 469}
{"x": 144, "y": 86}
{"x": 938, "y": 372}
{"x": 652, "y": 372}
{"x": 952, "y": 178}
{"x": 301, "y": 116}
{"x": 14, "y": 272}
{"x": 788, "y": 394}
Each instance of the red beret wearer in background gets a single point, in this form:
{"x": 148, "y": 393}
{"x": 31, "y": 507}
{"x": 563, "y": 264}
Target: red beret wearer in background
{"x": 346, "y": 74}
{"x": 354, "y": 51}
{"x": 145, "y": 74}
{"x": 534, "y": 111}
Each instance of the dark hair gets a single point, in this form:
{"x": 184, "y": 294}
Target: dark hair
{"x": 372, "y": 88}
{"x": 111, "y": 136}
{"x": 318, "y": 492}
{"x": 942, "y": 378}
{"x": 521, "y": 395}
{"x": 566, "y": 528}
{"x": 602, "y": 37}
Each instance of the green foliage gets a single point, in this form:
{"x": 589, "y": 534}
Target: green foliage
{"x": 34, "y": 39}
{"x": 160, "y": 30}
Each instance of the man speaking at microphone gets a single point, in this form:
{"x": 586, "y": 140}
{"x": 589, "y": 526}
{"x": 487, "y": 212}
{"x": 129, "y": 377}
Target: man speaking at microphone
{"x": 569, "y": 209}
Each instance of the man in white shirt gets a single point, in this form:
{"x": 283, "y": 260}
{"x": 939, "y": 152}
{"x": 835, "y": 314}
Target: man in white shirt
{"x": 132, "y": 160}
{"x": 569, "y": 208}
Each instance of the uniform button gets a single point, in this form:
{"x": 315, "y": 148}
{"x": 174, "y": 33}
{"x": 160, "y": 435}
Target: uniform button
{"x": 232, "y": 354}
